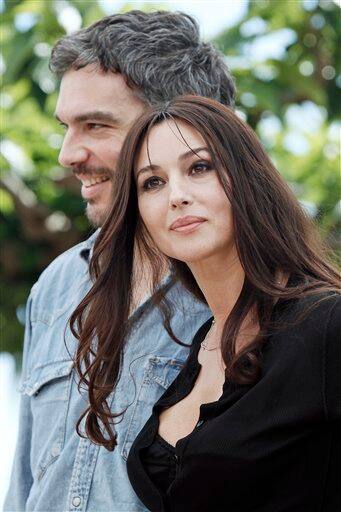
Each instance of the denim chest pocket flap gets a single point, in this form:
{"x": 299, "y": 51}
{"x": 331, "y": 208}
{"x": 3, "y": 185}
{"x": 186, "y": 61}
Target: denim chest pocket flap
{"x": 49, "y": 388}
{"x": 48, "y": 316}
{"x": 47, "y": 310}
{"x": 42, "y": 376}
{"x": 163, "y": 370}
{"x": 159, "y": 372}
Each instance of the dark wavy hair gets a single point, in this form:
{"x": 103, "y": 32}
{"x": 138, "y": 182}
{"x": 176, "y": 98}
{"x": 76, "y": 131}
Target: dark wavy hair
{"x": 273, "y": 234}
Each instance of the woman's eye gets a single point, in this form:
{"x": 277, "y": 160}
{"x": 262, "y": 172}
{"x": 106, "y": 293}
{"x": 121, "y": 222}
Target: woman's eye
{"x": 200, "y": 168}
{"x": 152, "y": 183}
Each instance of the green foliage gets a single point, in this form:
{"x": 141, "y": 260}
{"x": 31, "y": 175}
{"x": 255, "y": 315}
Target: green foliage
{"x": 11, "y": 340}
{"x": 274, "y": 94}
{"x": 305, "y": 75}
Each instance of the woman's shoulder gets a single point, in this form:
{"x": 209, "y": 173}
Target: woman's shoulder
{"x": 322, "y": 336}
{"x": 332, "y": 308}
{"x": 324, "y": 312}
{"x": 321, "y": 307}
{"x": 309, "y": 326}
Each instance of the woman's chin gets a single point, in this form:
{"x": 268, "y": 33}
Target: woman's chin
{"x": 212, "y": 255}
{"x": 189, "y": 257}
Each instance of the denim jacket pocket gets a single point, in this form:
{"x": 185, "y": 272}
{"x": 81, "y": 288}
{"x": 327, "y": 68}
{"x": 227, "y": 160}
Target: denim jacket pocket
{"x": 159, "y": 373}
{"x": 49, "y": 388}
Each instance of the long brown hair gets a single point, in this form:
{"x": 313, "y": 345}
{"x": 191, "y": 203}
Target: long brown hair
{"x": 273, "y": 235}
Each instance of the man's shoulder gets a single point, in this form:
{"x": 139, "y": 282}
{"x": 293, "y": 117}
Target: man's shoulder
{"x": 69, "y": 267}
{"x": 70, "y": 260}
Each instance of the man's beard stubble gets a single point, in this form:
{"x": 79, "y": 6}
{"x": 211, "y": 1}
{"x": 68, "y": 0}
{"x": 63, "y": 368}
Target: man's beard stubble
{"x": 96, "y": 216}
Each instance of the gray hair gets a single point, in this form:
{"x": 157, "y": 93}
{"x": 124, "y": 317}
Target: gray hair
{"x": 159, "y": 53}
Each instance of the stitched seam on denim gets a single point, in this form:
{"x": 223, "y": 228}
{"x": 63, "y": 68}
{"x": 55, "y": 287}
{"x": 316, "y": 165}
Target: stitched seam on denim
{"x": 48, "y": 318}
{"x": 67, "y": 409}
{"x": 60, "y": 439}
{"x": 127, "y": 436}
{"x": 51, "y": 363}
{"x": 171, "y": 365}
{"x": 93, "y": 451}
{"x": 44, "y": 468}
{"x": 76, "y": 473}
{"x": 27, "y": 386}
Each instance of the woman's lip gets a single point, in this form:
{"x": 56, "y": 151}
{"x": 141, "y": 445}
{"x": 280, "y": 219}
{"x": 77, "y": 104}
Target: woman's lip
{"x": 186, "y": 220}
{"x": 188, "y": 228}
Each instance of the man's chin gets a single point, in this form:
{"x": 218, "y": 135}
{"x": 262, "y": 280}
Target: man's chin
{"x": 96, "y": 214}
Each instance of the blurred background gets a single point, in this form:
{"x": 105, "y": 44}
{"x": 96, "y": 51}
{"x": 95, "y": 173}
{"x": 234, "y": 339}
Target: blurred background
{"x": 285, "y": 56}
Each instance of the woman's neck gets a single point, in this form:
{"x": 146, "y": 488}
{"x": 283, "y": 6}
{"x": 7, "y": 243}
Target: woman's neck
{"x": 221, "y": 280}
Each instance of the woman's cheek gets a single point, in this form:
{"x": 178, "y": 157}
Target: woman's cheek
{"x": 148, "y": 215}
{"x": 143, "y": 208}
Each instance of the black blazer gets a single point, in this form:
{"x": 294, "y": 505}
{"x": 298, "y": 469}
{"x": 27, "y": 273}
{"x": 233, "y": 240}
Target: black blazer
{"x": 271, "y": 447}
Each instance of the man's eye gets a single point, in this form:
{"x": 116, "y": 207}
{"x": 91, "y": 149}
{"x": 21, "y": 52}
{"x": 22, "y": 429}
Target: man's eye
{"x": 200, "y": 168}
{"x": 152, "y": 183}
{"x": 95, "y": 126}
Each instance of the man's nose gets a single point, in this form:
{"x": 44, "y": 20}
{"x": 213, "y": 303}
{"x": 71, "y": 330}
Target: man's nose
{"x": 72, "y": 152}
{"x": 179, "y": 194}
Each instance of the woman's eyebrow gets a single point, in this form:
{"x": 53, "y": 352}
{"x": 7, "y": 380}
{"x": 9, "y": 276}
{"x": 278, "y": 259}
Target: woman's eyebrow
{"x": 191, "y": 151}
{"x": 185, "y": 155}
{"x": 147, "y": 168}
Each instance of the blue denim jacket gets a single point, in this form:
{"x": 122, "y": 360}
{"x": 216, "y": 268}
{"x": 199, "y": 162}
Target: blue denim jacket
{"x": 55, "y": 469}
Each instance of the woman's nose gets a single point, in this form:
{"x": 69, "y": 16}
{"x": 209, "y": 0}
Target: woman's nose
{"x": 179, "y": 195}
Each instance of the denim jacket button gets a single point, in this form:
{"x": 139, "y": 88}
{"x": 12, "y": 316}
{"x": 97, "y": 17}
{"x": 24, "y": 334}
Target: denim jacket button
{"x": 55, "y": 450}
{"x": 76, "y": 501}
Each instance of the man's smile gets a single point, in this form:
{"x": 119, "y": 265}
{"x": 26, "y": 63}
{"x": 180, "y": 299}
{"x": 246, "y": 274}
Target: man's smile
{"x": 89, "y": 182}
{"x": 92, "y": 185}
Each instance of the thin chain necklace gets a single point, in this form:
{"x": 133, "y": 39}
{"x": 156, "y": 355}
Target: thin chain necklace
{"x": 203, "y": 345}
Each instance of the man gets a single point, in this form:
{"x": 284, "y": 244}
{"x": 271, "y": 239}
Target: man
{"x": 110, "y": 72}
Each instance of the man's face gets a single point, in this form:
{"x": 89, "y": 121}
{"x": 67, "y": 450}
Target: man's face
{"x": 97, "y": 109}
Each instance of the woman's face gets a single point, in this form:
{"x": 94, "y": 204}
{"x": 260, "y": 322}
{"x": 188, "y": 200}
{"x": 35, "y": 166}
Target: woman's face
{"x": 180, "y": 198}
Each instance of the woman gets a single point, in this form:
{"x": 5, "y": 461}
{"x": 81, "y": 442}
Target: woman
{"x": 252, "y": 421}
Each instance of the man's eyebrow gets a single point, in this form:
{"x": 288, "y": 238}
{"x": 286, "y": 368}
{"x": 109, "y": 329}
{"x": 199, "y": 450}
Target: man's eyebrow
{"x": 185, "y": 155}
{"x": 93, "y": 115}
